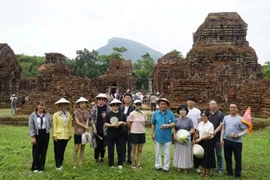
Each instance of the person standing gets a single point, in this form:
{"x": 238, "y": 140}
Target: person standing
{"x": 62, "y": 131}
{"x": 163, "y": 121}
{"x": 194, "y": 114}
{"x": 153, "y": 101}
{"x": 231, "y": 137}
{"x": 182, "y": 152}
{"x": 13, "y": 103}
{"x": 127, "y": 108}
{"x": 39, "y": 129}
{"x": 97, "y": 118}
{"x": 80, "y": 117}
{"x": 136, "y": 124}
{"x": 205, "y": 139}
{"x": 114, "y": 121}
{"x": 216, "y": 118}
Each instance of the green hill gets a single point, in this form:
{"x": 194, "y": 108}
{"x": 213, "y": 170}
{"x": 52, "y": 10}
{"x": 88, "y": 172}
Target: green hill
{"x": 135, "y": 49}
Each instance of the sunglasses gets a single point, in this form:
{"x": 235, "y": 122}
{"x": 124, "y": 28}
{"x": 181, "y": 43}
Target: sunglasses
{"x": 115, "y": 105}
{"x": 138, "y": 104}
{"x": 102, "y": 99}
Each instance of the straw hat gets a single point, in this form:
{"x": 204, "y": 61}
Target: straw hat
{"x": 137, "y": 101}
{"x": 163, "y": 99}
{"x": 198, "y": 151}
{"x": 101, "y": 95}
{"x": 62, "y": 100}
{"x": 82, "y": 99}
{"x": 115, "y": 101}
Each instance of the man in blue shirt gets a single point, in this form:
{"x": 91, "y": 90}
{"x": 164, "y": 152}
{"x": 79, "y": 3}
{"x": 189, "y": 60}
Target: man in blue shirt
{"x": 231, "y": 137}
{"x": 163, "y": 121}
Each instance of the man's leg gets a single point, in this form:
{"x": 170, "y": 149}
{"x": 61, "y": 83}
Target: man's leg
{"x": 167, "y": 150}
{"x": 237, "y": 152}
{"x": 219, "y": 157}
{"x": 228, "y": 157}
{"x": 158, "y": 149}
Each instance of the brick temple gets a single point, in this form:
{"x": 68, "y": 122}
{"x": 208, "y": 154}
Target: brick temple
{"x": 221, "y": 65}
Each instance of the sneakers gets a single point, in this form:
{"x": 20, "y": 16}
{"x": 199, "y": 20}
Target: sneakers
{"x": 120, "y": 167}
{"x": 35, "y": 171}
{"x": 220, "y": 172}
{"x": 112, "y": 167}
{"x": 198, "y": 170}
{"x": 58, "y": 169}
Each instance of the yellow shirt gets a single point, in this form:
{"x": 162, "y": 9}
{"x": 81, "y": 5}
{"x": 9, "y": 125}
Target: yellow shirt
{"x": 61, "y": 129}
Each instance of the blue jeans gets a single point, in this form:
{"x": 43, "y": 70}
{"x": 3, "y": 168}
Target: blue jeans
{"x": 219, "y": 156}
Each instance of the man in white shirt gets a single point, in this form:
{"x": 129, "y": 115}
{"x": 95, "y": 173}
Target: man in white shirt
{"x": 194, "y": 114}
{"x": 13, "y": 103}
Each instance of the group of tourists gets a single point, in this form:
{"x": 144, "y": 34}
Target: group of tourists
{"x": 122, "y": 124}
{"x": 113, "y": 124}
{"x": 208, "y": 128}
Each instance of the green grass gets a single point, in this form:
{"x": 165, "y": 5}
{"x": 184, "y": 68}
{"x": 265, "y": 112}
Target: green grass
{"x": 7, "y": 113}
{"x": 15, "y": 160}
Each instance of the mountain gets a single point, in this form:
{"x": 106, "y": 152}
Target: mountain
{"x": 134, "y": 52}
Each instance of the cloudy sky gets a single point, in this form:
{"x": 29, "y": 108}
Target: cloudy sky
{"x": 34, "y": 27}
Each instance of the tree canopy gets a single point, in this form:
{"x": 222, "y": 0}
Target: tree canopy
{"x": 30, "y": 64}
{"x": 142, "y": 70}
{"x": 266, "y": 70}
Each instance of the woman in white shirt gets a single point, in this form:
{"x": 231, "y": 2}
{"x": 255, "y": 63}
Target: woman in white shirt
{"x": 205, "y": 130}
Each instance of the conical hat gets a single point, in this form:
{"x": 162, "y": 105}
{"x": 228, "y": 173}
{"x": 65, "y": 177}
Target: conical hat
{"x": 198, "y": 151}
{"x": 101, "y": 95}
{"x": 62, "y": 100}
{"x": 82, "y": 99}
{"x": 115, "y": 101}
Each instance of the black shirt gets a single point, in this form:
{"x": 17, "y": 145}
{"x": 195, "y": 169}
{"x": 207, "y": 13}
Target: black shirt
{"x": 100, "y": 120}
{"x": 112, "y": 131}
{"x": 216, "y": 119}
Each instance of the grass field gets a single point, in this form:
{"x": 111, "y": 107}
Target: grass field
{"x": 15, "y": 160}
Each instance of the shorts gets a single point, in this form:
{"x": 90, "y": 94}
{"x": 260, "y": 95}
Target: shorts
{"x": 136, "y": 138}
{"x": 77, "y": 139}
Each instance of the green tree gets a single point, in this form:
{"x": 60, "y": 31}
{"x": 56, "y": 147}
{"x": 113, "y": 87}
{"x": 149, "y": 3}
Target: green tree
{"x": 142, "y": 70}
{"x": 30, "y": 64}
{"x": 180, "y": 55}
{"x": 86, "y": 63}
{"x": 266, "y": 70}
{"x": 117, "y": 52}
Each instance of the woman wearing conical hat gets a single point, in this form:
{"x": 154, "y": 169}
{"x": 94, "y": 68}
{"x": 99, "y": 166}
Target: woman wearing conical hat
{"x": 80, "y": 118}
{"x": 62, "y": 131}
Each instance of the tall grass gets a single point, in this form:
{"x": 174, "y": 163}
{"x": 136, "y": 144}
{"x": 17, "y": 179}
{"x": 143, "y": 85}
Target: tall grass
{"x": 15, "y": 160}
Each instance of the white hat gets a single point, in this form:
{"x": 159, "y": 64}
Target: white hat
{"x": 115, "y": 101}
{"x": 101, "y": 95}
{"x": 62, "y": 100}
{"x": 198, "y": 151}
{"x": 82, "y": 99}
{"x": 13, "y": 95}
{"x": 137, "y": 101}
{"x": 163, "y": 99}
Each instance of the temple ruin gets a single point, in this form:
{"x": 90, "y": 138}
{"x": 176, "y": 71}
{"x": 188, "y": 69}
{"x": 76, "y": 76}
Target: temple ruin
{"x": 221, "y": 65}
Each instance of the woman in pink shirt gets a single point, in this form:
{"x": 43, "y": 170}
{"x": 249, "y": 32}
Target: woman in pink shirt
{"x": 136, "y": 124}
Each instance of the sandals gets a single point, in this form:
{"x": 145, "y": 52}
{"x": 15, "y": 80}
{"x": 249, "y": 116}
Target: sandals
{"x": 133, "y": 167}
{"x": 206, "y": 176}
{"x": 139, "y": 167}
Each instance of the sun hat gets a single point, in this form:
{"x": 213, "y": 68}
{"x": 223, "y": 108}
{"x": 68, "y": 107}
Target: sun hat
{"x": 137, "y": 101}
{"x": 101, "y": 95}
{"x": 198, "y": 151}
{"x": 82, "y": 99}
{"x": 163, "y": 99}
{"x": 115, "y": 101}
{"x": 62, "y": 100}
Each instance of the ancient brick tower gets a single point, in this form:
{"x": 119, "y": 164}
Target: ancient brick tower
{"x": 221, "y": 65}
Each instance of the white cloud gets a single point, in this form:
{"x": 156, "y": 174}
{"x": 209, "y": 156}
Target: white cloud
{"x": 37, "y": 26}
